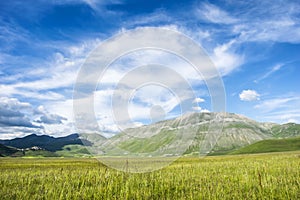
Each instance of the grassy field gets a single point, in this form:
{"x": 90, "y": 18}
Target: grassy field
{"x": 264, "y": 176}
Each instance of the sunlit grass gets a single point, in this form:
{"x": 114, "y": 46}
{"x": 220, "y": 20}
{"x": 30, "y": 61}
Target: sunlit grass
{"x": 265, "y": 176}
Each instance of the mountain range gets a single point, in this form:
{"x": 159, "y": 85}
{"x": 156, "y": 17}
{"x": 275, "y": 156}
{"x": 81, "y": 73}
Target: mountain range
{"x": 40, "y": 144}
{"x": 183, "y": 135}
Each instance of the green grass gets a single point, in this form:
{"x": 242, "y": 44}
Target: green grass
{"x": 265, "y": 176}
{"x": 239, "y": 126}
{"x": 272, "y": 145}
{"x": 40, "y": 153}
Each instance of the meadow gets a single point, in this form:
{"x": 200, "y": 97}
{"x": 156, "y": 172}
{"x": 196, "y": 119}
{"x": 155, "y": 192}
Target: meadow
{"x": 259, "y": 176}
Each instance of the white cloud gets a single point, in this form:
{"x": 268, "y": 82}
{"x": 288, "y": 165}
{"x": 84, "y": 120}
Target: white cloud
{"x": 200, "y": 109}
{"x": 19, "y": 118}
{"x": 149, "y": 96}
{"x": 214, "y": 14}
{"x": 249, "y": 95}
{"x": 13, "y": 132}
{"x": 198, "y": 100}
{"x": 197, "y": 108}
{"x": 225, "y": 59}
{"x": 292, "y": 120}
{"x": 138, "y": 107}
{"x": 14, "y": 113}
{"x": 205, "y": 111}
{"x": 63, "y": 108}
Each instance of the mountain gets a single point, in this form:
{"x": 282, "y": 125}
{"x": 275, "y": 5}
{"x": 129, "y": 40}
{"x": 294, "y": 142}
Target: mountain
{"x": 46, "y": 142}
{"x": 188, "y": 132}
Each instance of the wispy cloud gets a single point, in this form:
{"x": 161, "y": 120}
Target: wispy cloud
{"x": 225, "y": 59}
{"x": 10, "y": 33}
{"x": 158, "y": 17}
{"x": 274, "y": 69}
{"x": 276, "y": 104}
{"x": 214, "y": 14}
{"x": 280, "y": 109}
{"x": 280, "y": 23}
{"x": 58, "y": 72}
{"x": 97, "y": 4}
{"x": 286, "y": 116}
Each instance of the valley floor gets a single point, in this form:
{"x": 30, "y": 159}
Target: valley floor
{"x": 260, "y": 176}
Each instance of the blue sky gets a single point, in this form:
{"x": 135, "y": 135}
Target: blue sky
{"x": 255, "y": 46}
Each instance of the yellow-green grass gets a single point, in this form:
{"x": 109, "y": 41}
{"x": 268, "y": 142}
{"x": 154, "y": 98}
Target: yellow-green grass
{"x": 264, "y": 176}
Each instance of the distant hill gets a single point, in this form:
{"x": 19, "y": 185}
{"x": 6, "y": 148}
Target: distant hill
{"x": 9, "y": 151}
{"x": 46, "y": 142}
{"x": 272, "y": 145}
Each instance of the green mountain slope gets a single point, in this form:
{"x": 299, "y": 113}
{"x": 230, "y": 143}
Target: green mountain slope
{"x": 145, "y": 145}
{"x": 286, "y": 130}
{"x": 9, "y": 151}
{"x": 73, "y": 151}
{"x": 272, "y": 145}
